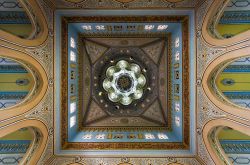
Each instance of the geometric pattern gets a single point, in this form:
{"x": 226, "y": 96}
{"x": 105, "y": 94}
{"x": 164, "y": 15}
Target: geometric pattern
{"x": 94, "y": 113}
{"x": 154, "y": 50}
{"x": 96, "y": 110}
{"x": 94, "y": 50}
{"x": 137, "y": 117}
{"x": 155, "y": 113}
{"x": 208, "y": 51}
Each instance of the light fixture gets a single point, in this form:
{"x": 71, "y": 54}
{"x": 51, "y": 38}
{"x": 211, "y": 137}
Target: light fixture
{"x": 124, "y": 82}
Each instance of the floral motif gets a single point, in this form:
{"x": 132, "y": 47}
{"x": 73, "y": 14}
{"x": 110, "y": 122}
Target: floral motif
{"x": 124, "y": 82}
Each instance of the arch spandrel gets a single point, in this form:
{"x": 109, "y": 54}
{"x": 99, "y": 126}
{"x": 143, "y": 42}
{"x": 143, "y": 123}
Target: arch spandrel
{"x": 209, "y": 27}
{"x": 39, "y": 90}
{"x": 210, "y": 137}
{"x": 209, "y": 88}
{"x": 38, "y": 144}
{"x": 39, "y": 29}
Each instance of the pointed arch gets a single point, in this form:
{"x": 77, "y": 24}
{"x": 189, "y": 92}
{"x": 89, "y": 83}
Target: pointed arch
{"x": 17, "y": 83}
{"x": 212, "y": 69}
{"x": 39, "y": 26}
{"x": 14, "y": 19}
{"x": 37, "y": 146}
{"x": 210, "y": 133}
{"x": 232, "y": 82}
{"x": 38, "y": 92}
{"x": 211, "y": 20}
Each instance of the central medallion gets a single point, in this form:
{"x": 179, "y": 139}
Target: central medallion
{"x": 124, "y": 82}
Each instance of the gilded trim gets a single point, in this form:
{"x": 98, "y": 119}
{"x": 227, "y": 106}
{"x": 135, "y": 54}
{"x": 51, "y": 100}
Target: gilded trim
{"x": 64, "y": 84}
{"x": 128, "y": 145}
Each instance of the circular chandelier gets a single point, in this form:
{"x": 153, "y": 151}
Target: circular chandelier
{"x": 124, "y": 82}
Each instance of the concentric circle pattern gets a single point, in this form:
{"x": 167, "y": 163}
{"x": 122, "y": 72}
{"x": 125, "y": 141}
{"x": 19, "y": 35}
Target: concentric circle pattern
{"x": 124, "y": 82}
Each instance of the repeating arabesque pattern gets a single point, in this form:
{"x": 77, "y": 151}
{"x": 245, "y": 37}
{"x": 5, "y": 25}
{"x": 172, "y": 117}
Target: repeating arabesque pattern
{"x": 125, "y": 4}
{"x": 206, "y": 110}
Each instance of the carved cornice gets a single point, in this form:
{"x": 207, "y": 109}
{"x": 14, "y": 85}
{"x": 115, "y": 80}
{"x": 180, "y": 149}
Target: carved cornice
{"x": 78, "y": 19}
{"x": 126, "y": 160}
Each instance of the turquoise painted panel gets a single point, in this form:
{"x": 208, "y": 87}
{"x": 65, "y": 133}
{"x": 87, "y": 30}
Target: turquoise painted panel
{"x": 236, "y": 146}
{"x": 14, "y": 17}
{"x": 14, "y": 146}
{"x": 232, "y": 81}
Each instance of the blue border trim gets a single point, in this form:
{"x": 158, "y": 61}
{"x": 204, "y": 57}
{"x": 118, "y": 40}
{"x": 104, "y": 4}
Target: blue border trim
{"x": 235, "y": 17}
{"x": 155, "y": 153}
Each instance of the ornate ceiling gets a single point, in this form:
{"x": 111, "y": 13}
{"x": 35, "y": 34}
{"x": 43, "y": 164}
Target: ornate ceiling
{"x": 125, "y": 81}
{"x": 124, "y": 4}
{"x": 110, "y": 47}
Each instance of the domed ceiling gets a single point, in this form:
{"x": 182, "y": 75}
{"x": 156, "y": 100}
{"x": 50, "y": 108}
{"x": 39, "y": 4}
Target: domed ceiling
{"x": 132, "y": 97}
{"x": 124, "y": 82}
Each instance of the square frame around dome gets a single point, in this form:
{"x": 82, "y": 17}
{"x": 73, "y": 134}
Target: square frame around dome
{"x": 106, "y": 121}
{"x": 151, "y": 145}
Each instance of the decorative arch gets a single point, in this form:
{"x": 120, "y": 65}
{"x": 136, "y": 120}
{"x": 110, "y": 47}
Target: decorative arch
{"x": 17, "y": 83}
{"x": 40, "y": 140}
{"x": 211, "y": 19}
{"x": 39, "y": 26}
{"x": 209, "y": 90}
{"x": 37, "y": 94}
{"x": 231, "y": 82}
{"x": 210, "y": 132}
